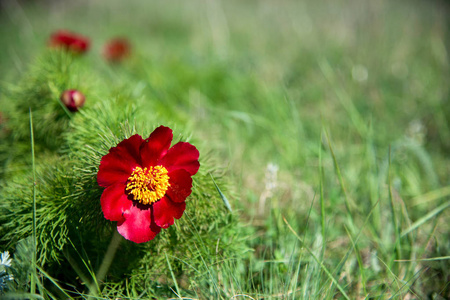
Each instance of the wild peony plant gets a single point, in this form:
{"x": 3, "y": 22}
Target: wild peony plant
{"x": 41, "y": 90}
{"x": 153, "y": 187}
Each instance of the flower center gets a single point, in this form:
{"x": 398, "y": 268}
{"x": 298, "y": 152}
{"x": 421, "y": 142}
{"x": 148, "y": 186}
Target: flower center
{"x": 148, "y": 185}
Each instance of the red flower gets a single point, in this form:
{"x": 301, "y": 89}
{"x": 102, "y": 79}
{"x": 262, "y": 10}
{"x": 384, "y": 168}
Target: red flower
{"x": 116, "y": 50}
{"x": 146, "y": 183}
{"x": 72, "y": 99}
{"x": 70, "y": 41}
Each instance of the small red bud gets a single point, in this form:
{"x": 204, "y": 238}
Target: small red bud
{"x": 116, "y": 49}
{"x": 72, "y": 99}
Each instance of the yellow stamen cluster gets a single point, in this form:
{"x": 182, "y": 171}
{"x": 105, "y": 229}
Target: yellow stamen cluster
{"x": 148, "y": 185}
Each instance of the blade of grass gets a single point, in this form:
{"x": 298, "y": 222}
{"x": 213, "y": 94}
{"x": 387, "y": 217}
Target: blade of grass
{"x": 52, "y": 280}
{"x": 410, "y": 239}
{"x": 425, "y": 218}
{"x": 322, "y": 204}
{"x": 173, "y": 278}
{"x": 322, "y": 266}
{"x": 222, "y": 196}
{"x": 371, "y": 177}
{"x": 25, "y": 296}
{"x": 306, "y": 287}
{"x": 348, "y": 202}
{"x": 431, "y": 196}
{"x": 397, "y": 245}
{"x": 34, "y": 275}
{"x": 360, "y": 262}
{"x": 297, "y": 272}
{"x": 424, "y": 259}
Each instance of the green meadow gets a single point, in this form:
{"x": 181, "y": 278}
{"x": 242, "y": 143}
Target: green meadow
{"x": 324, "y": 136}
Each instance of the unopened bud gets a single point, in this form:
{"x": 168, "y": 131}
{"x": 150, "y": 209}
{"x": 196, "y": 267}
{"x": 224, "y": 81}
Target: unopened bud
{"x": 72, "y": 99}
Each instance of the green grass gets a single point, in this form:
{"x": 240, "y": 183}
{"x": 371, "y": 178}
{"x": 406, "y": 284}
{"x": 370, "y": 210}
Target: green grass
{"x": 324, "y": 135}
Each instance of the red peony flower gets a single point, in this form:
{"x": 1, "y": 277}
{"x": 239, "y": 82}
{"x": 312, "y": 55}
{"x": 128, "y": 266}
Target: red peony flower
{"x": 70, "y": 41}
{"x": 146, "y": 183}
{"x": 116, "y": 49}
{"x": 72, "y": 99}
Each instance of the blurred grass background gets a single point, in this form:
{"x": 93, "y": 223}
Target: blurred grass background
{"x": 332, "y": 115}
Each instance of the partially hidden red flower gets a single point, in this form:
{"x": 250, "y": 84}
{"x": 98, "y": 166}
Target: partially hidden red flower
{"x": 70, "y": 41}
{"x": 72, "y": 99}
{"x": 147, "y": 183}
{"x": 116, "y": 49}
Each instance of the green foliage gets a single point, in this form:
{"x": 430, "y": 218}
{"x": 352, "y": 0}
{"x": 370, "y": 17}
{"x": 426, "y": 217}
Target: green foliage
{"x": 39, "y": 91}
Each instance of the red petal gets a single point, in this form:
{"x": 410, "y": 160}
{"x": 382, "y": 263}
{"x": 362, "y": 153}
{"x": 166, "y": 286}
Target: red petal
{"x": 165, "y": 210}
{"x": 181, "y": 156}
{"x": 139, "y": 226}
{"x": 180, "y": 185}
{"x": 156, "y": 146}
{"x": 114, "y": 202}
{"x": 118, "y": 164}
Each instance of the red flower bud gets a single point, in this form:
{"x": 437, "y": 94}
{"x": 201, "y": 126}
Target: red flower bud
{"x": 72, "y": 99}
{"x": 116, "y": 49}
{"x": 70, "y": 41}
